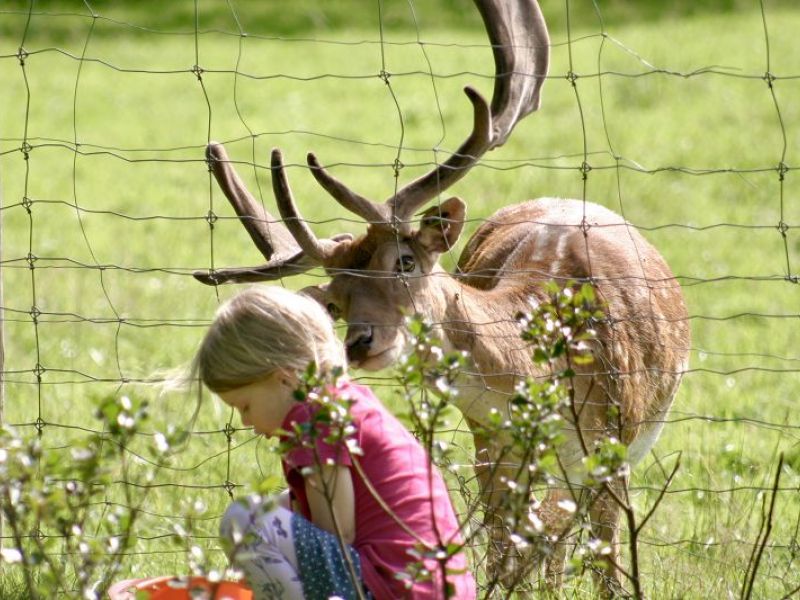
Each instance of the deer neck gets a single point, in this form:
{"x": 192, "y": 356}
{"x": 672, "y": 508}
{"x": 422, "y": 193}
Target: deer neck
{"x": 481, "y": 322}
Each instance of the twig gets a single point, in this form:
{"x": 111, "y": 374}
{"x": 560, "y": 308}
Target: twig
{"x": 794, "y": 592}
{"x": 27, "y": 567}
{"x": 766, "y": 527}
{"x": 661, "y": 495}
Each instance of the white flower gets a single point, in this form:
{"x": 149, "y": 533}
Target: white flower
{"x": 568, "y": 506}
{"x": 125, "y": 421}
{"x": 10, "y": 555}
{"x": 81, "y": 454}
{"x": 90, "y": 594}
{"x": 97, "y": 356}
{"x": 354, "y": 448}
{"x": 536, "y": 522}
{"x": 161, "y": 442}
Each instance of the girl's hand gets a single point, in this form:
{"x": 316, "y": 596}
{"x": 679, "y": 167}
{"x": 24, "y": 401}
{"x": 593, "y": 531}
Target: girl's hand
{"x": 332, "y": 501}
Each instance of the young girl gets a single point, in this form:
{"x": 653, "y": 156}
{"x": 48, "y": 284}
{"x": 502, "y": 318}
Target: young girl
{"x": 365, "y": 513}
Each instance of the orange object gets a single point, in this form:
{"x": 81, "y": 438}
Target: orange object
{"x": 179, "y": 588}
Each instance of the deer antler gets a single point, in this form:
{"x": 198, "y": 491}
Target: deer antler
{"x": 370, "y": 211}
{"x": 271, "y": 237}
{"x": 274, "y": 239}
{"x": 513, "y": 26}
{"x": 521, "y": 48}
{"x": 318, "y": 250}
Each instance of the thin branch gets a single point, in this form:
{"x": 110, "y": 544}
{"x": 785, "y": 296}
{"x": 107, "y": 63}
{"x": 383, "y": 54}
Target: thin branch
{"x": 766, "y": 527}
{"x": 661, "y": 495}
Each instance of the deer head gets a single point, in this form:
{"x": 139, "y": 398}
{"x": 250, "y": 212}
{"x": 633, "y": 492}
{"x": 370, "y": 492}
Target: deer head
{"x": 379, "y": 277}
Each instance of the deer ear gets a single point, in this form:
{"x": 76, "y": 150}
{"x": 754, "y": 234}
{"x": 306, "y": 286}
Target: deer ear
{"x": 441, "y": 225}
{"x": 316, "y": 292}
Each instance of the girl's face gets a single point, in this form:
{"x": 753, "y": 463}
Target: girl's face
{"x": 263, "y": 405}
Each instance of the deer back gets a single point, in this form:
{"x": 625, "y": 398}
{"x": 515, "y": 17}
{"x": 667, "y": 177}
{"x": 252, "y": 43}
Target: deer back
{"x": 642, "y": 344}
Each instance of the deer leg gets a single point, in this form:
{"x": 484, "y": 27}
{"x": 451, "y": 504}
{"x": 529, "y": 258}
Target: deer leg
{"x": 491, "y": 497}
{"x": 604, "y": 516}
{"x": 557, "y": 521}
{"x": 505, "y": 563}
{"x": 554, "y": 566}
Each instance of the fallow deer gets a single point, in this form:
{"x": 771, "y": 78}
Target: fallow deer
{"x": 392, "y": 270}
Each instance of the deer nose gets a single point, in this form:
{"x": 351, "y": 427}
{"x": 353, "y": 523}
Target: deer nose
{"x": 358, "y": 343}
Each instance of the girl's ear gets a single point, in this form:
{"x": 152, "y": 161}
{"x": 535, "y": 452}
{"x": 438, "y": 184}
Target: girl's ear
{"x": 441, "y": 225}
{"x": 288, "y": 379}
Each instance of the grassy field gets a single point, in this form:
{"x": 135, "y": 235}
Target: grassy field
{"x": 684, "y": 137}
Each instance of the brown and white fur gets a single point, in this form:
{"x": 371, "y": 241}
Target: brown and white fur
{"x": 642, "y": 348}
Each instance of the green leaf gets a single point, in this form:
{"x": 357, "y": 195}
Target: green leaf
{"x": 269, "y": 484}
{"x": 583, "y": 359}
{"x": 587, "y": 291}
{"x": 540, "y": 355}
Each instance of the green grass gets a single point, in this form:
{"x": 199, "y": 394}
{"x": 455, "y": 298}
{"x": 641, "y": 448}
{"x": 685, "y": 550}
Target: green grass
{"x": 133, "y": 200}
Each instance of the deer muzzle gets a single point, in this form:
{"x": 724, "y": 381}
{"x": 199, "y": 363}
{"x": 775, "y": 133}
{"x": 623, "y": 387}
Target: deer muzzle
{"x": 358, "y": 343}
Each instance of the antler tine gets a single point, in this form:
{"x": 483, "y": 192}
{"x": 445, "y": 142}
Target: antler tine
{"x": 520, "y": 43}
{"x": 372, "y": 212}
{"x": 274, "y": 269}
{"x": 269, "y": 236}
{"x": 318, "y": 250}
{"x": 407, "y": 200}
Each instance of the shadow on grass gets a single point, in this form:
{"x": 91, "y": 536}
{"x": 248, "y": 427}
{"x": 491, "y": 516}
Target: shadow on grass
{"x": 58, "y": 20}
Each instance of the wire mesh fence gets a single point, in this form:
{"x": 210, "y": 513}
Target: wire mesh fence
{"x": 109, "y": 208}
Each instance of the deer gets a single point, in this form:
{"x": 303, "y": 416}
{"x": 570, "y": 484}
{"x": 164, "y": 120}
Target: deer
{"x": 392, "y": 270}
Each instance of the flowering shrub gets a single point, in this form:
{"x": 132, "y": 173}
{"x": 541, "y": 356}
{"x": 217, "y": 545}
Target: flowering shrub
{"x": 66, "y": 538}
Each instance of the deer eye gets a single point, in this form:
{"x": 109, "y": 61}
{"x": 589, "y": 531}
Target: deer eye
{"x": 334, "y": 311}
{"x": 405, "y": 264}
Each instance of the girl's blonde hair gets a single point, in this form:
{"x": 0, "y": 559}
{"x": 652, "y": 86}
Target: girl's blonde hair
{"x": 261, "y": 329}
